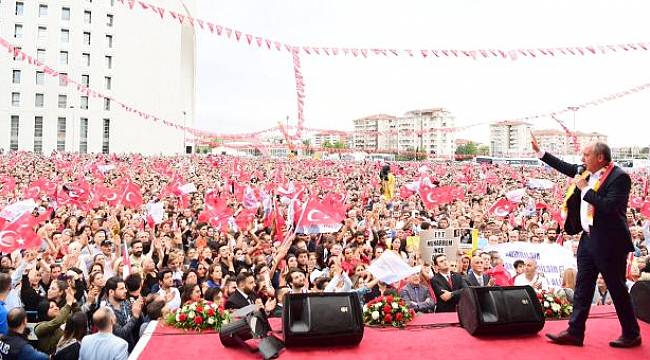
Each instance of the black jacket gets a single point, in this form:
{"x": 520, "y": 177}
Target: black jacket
{"x": 439, "y": 283}
{"x": 610, "y": 234}
{"x": 237, "y": 301}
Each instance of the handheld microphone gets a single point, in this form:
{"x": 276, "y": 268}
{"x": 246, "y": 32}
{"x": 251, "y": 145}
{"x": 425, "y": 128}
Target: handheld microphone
{"x": 581, "y": 169}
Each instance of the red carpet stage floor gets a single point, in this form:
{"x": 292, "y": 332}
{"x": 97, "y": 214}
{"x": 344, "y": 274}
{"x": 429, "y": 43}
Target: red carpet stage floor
{"x": 428, "y": 336}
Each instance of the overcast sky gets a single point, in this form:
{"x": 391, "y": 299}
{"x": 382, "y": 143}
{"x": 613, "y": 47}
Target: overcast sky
{"x": 243, "y": 88}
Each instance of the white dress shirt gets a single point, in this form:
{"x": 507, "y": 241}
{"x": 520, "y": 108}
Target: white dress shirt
{"x": 584, "y": 206}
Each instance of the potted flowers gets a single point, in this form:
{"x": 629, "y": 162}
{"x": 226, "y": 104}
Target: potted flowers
{"x": 200, "y": 315}
{"x": 555, "y": 305}
{"x": 387, "y": 311}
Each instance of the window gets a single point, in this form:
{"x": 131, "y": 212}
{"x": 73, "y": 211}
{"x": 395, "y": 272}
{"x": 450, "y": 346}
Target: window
{"x": 19, "y": 8}
{"x": 13, "y": 143}
{"x": 16, "y": 77}
{"x": 18, "y": 31}
{"x": 38, "y": 134}
{"x": 65, "y": 13}
{"x": 109, "y": 41}
{"x": 108, "y": 82}
{"x": 40, "y": 78}
{"x": 63, "y": 101}
{"x": 109, "y": 62}
{"x": 63, "y": 79}
{"x": 85, "y": 80}
{"x": 60, "y": 134}
{"x": 42, "y": 33}
{"x": 87, "y": 17}
{"x": 39, "y": 99}
{"x": 107, "y": 104}
{"x": 63, "y": 57}
{"x": 15, "y": 99}
{"x": 85, "y": 58}
{"x": 83, "y": 135}
{"x": 109, "y": 20}
{"x": 18, "y": 48}
{"x": 87, "y": 38}
{"x": 106, "y": 136}
{"x": 42, "y": 10}
{"x": 84, "y": 102}
{"x": 65, "y": 35}
{"x": 40, "y": 55}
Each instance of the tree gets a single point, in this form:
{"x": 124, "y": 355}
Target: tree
{"x": 467, "y": 149}
{"x": 483, "y": 150}
{"x": 307, "y": 144}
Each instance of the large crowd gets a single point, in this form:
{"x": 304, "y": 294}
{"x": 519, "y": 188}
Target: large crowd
{"x": 104, "y": 265}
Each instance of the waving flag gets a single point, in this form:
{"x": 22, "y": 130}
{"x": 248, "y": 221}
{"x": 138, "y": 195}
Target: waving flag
{"x": 327, "y": 183}
{"x": 317, "y": 218}
{"x": 14, "y": 211}
{"x": 502, "y": 208}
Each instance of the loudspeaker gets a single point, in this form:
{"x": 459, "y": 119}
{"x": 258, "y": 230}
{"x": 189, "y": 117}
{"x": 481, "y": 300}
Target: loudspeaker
{"x": 322, "y": 319}
{"x": 188, "y": 149}
{"x": 640, "y": 294}
{"x": 508, "y": 310}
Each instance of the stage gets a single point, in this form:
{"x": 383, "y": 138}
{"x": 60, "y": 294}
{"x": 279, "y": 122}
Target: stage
{"x": 427, "y": 336}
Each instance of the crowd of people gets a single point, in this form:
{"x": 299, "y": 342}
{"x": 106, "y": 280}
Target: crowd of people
{"x": 104, "y": 268}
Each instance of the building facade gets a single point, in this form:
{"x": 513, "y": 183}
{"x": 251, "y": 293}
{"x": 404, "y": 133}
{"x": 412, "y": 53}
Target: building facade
{"x": 510, "y": 139}
{"x": 127, "y": 55}
{"x": 318, "y": 140}
{"x": 557, "y": 141}
{"x": 417, "y": 130}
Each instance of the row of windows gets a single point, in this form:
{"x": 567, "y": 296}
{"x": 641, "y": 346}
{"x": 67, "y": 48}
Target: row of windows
{"x": 43, "y": 11}
{"x": 39, "y": 101}
{"x": 64, "y": 35}
{"x": 16, "y": 78}
{"x": 61, "y": 128}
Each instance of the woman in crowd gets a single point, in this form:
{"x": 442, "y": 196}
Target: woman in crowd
{"x": 51, "y": 317}
{"x": 569, "y": 283}
{"x": 191, "y": 293}
{"x": 76, "y": 327}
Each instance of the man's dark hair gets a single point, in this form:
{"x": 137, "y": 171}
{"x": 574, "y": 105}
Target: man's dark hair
{"x": 517, "y": 263}
{"x": 438, "y": 256}
{"x": 241, "y": 278}
{"x": 135, "y": 242}
{"x": 5, "y": 283}
{"x": 16, "y": 317}
{"x": 425, "y": 225}
{"x": 291, "y": 271}
{"x": 600, "y": 148}
{"x": 154, "y": 309}
{"x": 133, "y": 282}
{"x": 163, "y": 272}
{"x": 301, "y": 251}
{"x": 111, "y": 283}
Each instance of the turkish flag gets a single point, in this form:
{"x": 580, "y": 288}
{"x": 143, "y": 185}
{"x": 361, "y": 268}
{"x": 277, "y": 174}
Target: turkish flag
{"x": 636, "y": 202}
{"x": 317, "y": 217}
{"x": 20, "y": 234}
{"x": 217, "y": 218}
{"x": 7, "y": 184}
{"x": 213, "y": 201}
{"x": 131, "y": 196}
{"x": 326, "y": 183}
{"x": 502, "y": 208}
{"x": 405, "y": 193}
{"x": 36, "y": 188}
{"x": 245, "y": 218}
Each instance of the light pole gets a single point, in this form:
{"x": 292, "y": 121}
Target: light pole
{"x": 184, "y": 128}
{"x": 574, "y": 109}
{"x": 71, "y": 107}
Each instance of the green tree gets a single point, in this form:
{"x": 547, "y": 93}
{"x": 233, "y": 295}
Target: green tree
{"x": 483, "y": 150}
{"x": 467, "y": 149}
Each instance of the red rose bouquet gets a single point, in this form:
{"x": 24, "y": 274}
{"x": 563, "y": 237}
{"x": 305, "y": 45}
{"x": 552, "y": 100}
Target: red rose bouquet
{"x": 555, "y": 305}
{"x": 199, "y": 315}
{"x": 387, "y": 311}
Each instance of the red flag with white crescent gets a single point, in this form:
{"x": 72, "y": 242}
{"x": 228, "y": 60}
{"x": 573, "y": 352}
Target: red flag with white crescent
{"x": 502, "y": 208}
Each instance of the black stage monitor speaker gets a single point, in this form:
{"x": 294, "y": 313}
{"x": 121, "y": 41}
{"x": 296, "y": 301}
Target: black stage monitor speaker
{"x": 322, "y": 319}
{"x": 640, "y": 294}
{"x": 509, "y": 310}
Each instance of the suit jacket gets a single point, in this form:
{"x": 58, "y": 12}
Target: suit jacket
{"x": 439, "y": 283}
{"x": 609, "y": 235}
{"x": 408, "y": 295}
{"x": 472, "y": 281}
{"x": 237, "y": 301}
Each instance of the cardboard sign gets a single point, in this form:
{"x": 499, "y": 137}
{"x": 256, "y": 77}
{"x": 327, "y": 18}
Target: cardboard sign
{"x": 444, "y": 241}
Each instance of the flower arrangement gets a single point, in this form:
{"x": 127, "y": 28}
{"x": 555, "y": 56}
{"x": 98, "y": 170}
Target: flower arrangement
{"x": 555, "y": 305}
{"x": 201, "y": 315}
{"x": 387, "y": 311}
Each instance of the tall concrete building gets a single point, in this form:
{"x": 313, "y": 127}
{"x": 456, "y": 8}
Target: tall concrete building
{"x": 510, "y": 139}
{"x": 128, "y": 55}
{"x": 557, "y": 142}
{"x": 416, "y": 130}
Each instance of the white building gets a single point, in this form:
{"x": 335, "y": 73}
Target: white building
{"x": 128, "y": 55}
{"x": 320, "y": 139}
{"x": 418, "y": 130}
{"x": 510, "y": 139}
{"x": 558, "y": 142}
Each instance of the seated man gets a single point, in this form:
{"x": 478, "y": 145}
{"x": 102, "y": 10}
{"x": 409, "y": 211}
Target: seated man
{"x": 417, "y": 296}
{"x": 531, "y": 277}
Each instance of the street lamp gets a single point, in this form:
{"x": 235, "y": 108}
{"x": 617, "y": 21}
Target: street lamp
{"x": 184, "y": 128}
{"x": 574, "y": 109}
{"x": 74, "y": 128}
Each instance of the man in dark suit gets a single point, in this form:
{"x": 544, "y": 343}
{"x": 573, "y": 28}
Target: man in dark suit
{"x": 447, "y": 285}
{"x": 244, "y": 295}
{"x": 597, "y": 208}
{"x": 476, "y": 276}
